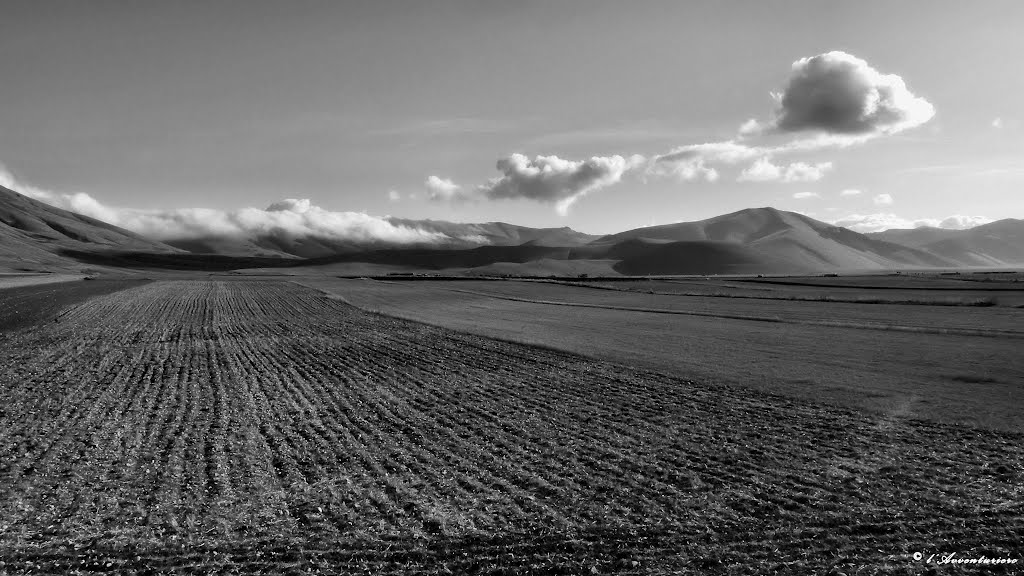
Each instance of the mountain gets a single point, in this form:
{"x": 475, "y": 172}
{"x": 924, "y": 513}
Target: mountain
{"x": 760, "y": 240}
{"x": 999, "y": 243}
{"x": 913, "y": 237}
{"x": 37, "y": 236}
{"x": 756, "y": 240}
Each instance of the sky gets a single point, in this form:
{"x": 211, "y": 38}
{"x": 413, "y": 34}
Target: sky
{"x": 598, "y": 115}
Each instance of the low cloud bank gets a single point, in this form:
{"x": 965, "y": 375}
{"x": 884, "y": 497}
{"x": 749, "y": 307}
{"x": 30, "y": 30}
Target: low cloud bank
{"x": 290, "y": 217}
{"x": 888, "y": 221}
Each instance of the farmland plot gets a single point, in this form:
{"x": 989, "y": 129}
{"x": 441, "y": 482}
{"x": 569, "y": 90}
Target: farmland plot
{"x": 938, "y": 368}
{"x": 262, "y": 427}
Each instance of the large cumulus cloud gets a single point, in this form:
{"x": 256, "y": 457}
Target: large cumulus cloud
{"x": 838, "y": 93}
{"x": 554, "y": 180}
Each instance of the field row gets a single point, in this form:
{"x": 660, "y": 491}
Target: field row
{"x": 951, "y": 378}
{"x": 992, "y": 320}
{"x": 180, "y": 425}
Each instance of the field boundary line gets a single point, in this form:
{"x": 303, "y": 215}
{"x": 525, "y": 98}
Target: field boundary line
{"x": 870, "y": 287}
{"x": 775, "y": 319}
{"x": 977, "y": 303}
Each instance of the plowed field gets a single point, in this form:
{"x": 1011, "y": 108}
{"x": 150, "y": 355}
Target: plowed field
{"x": 262, "y": 427}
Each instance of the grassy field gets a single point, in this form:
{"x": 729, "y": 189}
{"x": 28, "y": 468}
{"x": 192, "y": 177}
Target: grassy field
{"x": 967, "y": 319}
{"x": 265, "y": 427}
{"x": 935, "y": 292}
{"x": 783, "y": 347}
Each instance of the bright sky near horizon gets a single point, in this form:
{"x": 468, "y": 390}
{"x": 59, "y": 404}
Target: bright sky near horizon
{"x": 441, "y": 109}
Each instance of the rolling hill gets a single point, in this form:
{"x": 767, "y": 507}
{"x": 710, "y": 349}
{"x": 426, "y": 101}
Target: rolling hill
{"x": 36, "y": 236}
{"x": 757, "y": 240}
{"x": 999, "y": 243}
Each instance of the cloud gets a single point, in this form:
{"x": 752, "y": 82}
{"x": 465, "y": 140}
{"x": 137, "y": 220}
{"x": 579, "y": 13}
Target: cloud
{"x": 750, "y": 127}
{"x": 882, "y": 200}
{"x": 394, "y": 196}
{"x": 79, "y": 202}
{"x": 804, "y": 172}
{"x": 553, "y": 180}
{"x": 837, "y": 98}
{"x": 850, "y": 192}
{"x": 439, "y": 189}
{"x": 840, "y": 94}
{"x": 960, "y": 222}
{"x": 291, "y": 205}
{"x": 290, "y": 217}
{"x": 888, "y": 221}
{"x": 691, "y": 162}
{"x": 804, "y": 195}
{"x": 762, "y": 170}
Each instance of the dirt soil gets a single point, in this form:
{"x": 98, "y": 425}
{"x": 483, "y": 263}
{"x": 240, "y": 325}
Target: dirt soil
{"x": 263, "y": 427}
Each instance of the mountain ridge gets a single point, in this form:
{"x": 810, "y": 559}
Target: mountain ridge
{"x": 36, "y": 235}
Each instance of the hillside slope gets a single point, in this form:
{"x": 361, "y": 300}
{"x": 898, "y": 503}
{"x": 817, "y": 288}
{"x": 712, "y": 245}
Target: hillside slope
{"x": 35, "y": 235}
{"x": 757, "y": 240}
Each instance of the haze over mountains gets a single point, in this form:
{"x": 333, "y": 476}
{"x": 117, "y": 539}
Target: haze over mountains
{"x": 37, "y": 236}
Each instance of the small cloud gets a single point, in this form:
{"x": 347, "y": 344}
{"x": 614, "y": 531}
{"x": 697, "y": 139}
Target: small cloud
{"x": 550, "y": 179}
{"x": 691, "y": 162}
{"x": 805, "y": 195}
{"x": 751, "y": 127}
{"x": 997, "y": 123}
{"x": 394, "y": 196}
{"x": 442, "y": 189}
{"x": 840, "y": 94}
{"x": 804, "y": 172}
{"x": 873, "y": 222}
{"x": 882, "y": 200}
{"x": 960, "y": 222}
{"x": 291, "y": 205}
{"x": 850, "y": 192}
{"x": 762, "y": 170}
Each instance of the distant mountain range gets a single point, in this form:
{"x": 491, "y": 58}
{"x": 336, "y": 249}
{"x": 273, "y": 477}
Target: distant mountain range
{"x": 998, "y": 243}
{"x": 36, "y": 236}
